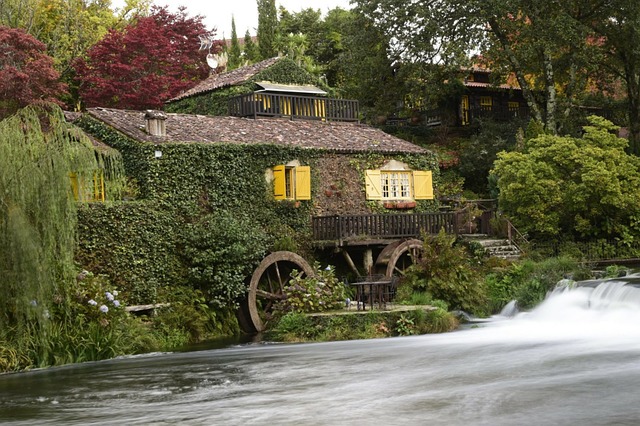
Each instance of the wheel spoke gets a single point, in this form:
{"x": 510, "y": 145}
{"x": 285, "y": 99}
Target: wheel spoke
{"x": 279, "y": 277}
{"x": 268, "y": 295}
{"x": 398, "y": 270}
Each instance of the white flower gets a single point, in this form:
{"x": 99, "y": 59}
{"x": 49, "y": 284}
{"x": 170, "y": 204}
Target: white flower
{"x": 115, "y": 292}
{"x": 34, "y": 303}
{"x": 93, "y": 302}
{"x": 103, "y": 308}
{"x": 116, "y": 303}
{"x": 328, "y": 268}
{"x": 109, "y": 296}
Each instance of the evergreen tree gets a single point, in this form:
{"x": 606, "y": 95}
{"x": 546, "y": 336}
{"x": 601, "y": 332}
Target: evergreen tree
{"x": 251, "y": 53}
{"x": 234, "y": 52}
{"x": 267, "y": 28}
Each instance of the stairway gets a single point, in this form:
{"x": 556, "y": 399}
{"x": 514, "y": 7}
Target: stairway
{"x": 496, "y": 247}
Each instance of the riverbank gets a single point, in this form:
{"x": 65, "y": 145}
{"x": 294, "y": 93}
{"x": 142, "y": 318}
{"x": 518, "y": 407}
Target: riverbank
{"x": 353, "y": 324}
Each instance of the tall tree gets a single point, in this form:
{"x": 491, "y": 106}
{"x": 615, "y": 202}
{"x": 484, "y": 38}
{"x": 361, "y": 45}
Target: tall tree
{"x": 234, "y": 51}
{"x": 533, "y": 39}
{"x": 616, "y": 27}
{"x": 267, "y": 28}
{"x": 250, "y": 48}
{"x": 146, "y": 63}
{"x": 27, "y": 75}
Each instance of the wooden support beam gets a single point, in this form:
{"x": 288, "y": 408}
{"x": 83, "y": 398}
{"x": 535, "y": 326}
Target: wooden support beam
{"x": 352, "y": 265}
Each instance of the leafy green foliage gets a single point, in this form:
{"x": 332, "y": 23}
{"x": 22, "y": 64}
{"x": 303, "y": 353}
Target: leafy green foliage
{"x": 38, "y": 150}
{"x": 267, "y": 28}
{"x": 188, "y": 317}
{"x": 479, "y": 153}
{"x": 321, "y": 292}
{"x": 298, "y": 327}
{"x": 446, "y": 271}
{"x": 529, "y": 281}
{"x": 221, "y": 250}
{"x": 583, "y": 187}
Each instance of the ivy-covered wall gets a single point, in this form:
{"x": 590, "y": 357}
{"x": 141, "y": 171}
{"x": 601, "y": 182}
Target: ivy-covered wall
{"x": 204, "y": 215}
{"x": 285, "y": 71}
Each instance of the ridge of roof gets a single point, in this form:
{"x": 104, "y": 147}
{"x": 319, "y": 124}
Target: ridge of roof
{"x": 228, "y": 78}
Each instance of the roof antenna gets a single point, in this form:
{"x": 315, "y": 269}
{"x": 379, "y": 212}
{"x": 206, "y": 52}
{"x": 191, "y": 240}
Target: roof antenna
{"x": 215, "y": 61}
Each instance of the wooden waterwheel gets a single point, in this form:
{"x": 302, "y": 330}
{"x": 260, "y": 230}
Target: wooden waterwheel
{"x": 397, "y": 257}
{"x": 266, "y": 288}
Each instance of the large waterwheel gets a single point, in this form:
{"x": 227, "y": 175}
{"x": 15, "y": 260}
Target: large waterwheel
{"x": 266, "y": 288}
{"x": 397, "y": 257}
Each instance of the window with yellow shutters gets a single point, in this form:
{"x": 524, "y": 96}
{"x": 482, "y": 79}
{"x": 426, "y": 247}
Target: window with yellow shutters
{"x": 398, "y": 185}
{"x": 291, "y": 183}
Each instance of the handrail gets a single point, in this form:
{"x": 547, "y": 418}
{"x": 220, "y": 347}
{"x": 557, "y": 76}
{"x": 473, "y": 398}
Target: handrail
{"x": 382, "y": 226}
{"x": 262, "y": 104}
{"x": 515, "y": 237}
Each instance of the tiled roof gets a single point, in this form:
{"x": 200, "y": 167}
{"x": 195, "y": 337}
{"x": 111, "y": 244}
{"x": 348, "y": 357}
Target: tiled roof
{"x": 185, "y": 128}
{"x": 491, "y": 86}
{"x": 230, "y": 78}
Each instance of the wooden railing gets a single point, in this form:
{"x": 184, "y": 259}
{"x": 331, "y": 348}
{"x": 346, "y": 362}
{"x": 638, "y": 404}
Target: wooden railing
{"x": 496, "y": 112}
{"x": 515, "y": 237}
{"x": 382, "y": 226}
{"x": 302, "y": 107}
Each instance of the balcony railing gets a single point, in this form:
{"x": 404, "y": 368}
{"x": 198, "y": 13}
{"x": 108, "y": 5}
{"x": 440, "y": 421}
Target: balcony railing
{"x": 301, "y": 107}
{"x": 382, "y": 226}
{"x": 496, "y": 112}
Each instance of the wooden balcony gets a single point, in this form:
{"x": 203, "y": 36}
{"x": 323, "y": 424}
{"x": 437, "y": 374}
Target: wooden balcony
{"x": 495, "y": 112}
{"x": 294, "y": 107}
{"x": 382, "y": 226}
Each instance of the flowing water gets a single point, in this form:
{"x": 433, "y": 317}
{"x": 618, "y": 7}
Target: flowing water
{"x": 575, "y": 360}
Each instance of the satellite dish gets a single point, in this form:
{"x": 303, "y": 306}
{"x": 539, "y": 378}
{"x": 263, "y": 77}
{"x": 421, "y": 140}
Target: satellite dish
{"x": 212, "y": 61}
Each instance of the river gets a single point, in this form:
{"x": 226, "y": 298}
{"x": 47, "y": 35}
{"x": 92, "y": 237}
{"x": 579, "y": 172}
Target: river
{"x": 574, "y": 360}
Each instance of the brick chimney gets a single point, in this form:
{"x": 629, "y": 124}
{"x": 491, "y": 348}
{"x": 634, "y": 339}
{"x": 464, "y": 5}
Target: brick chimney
{"x": 155, "y": 122}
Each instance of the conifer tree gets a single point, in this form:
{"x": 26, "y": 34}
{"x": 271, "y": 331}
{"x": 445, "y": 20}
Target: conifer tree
{"x": 251, "y": 53}
{"x": 267, "y": 28}
{"x": 234, "y": 52}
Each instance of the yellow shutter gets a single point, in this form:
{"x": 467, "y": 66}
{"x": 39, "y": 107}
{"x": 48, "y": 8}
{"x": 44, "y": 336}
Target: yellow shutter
{"x": 372, "y": 184}
{"x": 98, "y": 186}
{"x": 75, "y": 187}
{"x": 303, "y": 183}
{"x": 279, "y": 183}
{"x": 422, "y": 185}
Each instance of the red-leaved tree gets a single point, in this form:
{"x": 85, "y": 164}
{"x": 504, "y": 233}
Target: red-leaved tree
{"x": 27, "y": 75}
{"x": 147, "y": 63}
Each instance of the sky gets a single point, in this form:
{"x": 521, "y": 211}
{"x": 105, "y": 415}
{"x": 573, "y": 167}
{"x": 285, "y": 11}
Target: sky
{"x": 218, "y": 13}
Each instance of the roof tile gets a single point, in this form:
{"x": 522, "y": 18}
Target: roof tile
{"x": 185, "y": 128}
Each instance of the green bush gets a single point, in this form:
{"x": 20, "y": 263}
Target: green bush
{"x": 529, "y": 281}
{"x": 318, "y": 293}
{"x": 220, "y": 251}
{"x": 447, "y": 272}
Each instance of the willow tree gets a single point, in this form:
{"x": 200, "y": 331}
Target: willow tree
{"x": 38, "y": 151}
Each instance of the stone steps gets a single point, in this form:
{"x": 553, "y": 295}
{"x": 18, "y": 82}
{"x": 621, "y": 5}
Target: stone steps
{"x": 495, "y": 247}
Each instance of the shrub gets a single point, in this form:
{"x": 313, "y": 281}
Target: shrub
{"x": 221, "y": 250}
{"x": 317, "y": 293}
{"x": 446, "y": 271}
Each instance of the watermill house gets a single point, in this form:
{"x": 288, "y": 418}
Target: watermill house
{"x": 286, "y": 154}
